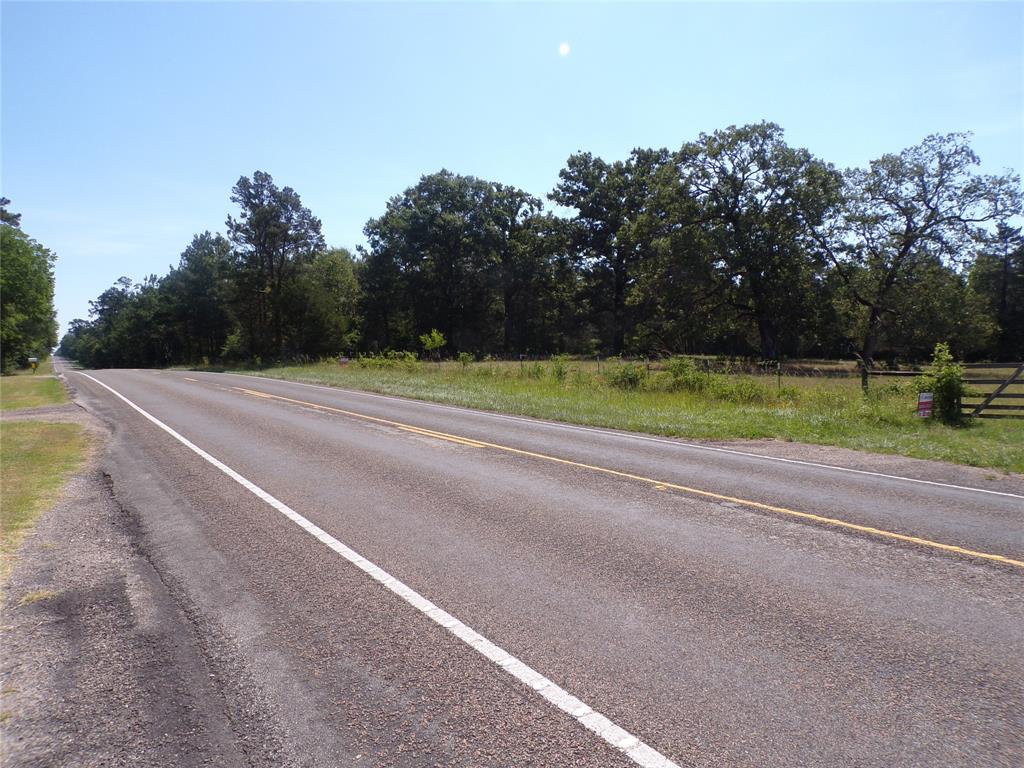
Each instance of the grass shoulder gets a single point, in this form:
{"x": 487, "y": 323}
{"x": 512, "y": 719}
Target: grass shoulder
{"x": 25, "y": 389}
{"x": 822, "y": 411}
{"x": 37, "y": 458}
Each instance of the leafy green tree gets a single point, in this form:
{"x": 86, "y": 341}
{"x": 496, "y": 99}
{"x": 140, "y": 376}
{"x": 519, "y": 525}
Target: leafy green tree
{"x": 760, "y": 202}
{"x": 28, "y": 325}
{"x": 614, "y": 229}
{"x": 432, "y": 342}
{"x": 273, "y": 237}
{"x": 199, "y": 294}
{"x": 329, "y": 295}
{"x": 902, "y": 216}
{"x": 997, "y": 280}
{"x": 454, "y": 253}
{"x": 678, "y": 297}
{"x": 948, "y": 310}
{"x": 79, "y": 342}
{"x": 6, "y": 216}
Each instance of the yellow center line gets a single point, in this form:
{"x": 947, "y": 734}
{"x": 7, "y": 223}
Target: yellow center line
{"x": 658, "y": 484}
{"x": 441, "y": 436}
{"x": 188, "y": 379}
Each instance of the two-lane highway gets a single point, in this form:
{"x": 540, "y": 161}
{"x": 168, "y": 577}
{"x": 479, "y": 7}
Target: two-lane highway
{"x": 406, "y": 583}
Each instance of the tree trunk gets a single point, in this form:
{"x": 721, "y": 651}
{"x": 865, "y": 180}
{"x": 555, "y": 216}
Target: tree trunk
{"x": 869, "y": 345}
{"x": 619, "y": 311}
{"x": 769, "y": 337}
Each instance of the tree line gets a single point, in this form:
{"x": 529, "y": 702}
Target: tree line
{"x": 736, "y": 243}
{"x": 28, "y": 322}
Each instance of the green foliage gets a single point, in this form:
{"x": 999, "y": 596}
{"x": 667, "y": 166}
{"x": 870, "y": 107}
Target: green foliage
{"x": 559, "y": 368}
{"x": 28, "y": 326}
{"x": 534, "y": 370}
{"x": 329, "y": 293}
{"x": 273, "y": 239}
{"x": 432, "y": 342}
{"x": 391, "y": 359}
{"x": 630, "y": 376}
{"x": 234, "y": 346}
{"x": 945, "y": 380}
{"x": 736, "y": 244}
{"x": 905, "y": 224}
{"x": 997, "y": 283}
{"x": 686, "y": 376}
{"x": 465, "y": 358}
{"x": 6, "y": 216}
{"x": 759, "y": 201}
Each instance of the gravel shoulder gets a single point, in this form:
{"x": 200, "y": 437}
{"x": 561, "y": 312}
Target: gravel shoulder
{"x": 100, "y": 666}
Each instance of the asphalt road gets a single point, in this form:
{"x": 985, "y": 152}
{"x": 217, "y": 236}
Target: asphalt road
{"x": 720, "y": 608}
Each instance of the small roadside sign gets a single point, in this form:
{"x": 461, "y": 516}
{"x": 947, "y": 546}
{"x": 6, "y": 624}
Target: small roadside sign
{"x": 925, "y": 401}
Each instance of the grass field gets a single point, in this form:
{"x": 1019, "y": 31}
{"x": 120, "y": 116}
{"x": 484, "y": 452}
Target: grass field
{"x": 36, "y": 460}
{"x": 31, "y": 390}
{"x": 825, "y": 411}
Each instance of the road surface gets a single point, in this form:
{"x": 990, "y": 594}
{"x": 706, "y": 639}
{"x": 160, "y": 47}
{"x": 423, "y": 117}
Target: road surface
{"x": 401, "y": 583}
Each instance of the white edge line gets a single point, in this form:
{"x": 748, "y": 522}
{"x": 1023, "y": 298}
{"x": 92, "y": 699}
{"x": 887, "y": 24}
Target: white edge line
{"x": 625, "y": 742}
{"x": 623, "y": 435}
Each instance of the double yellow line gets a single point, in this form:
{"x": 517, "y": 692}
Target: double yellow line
{"x": 657, "y": 484}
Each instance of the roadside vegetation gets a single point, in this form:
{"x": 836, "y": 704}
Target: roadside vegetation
{"x": 36, "y": 459}
{"x": 28, "y": 323}
{"x": 678, "y": 398}
{"x": 31, "y": 390}
{"x": 735, "y": 243}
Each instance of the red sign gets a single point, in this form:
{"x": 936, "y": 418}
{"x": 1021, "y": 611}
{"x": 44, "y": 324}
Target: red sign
{"x": 925, "y": 401}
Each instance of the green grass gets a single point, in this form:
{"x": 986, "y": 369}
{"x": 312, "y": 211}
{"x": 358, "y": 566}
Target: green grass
{"x": 31, "y": 390}
{"x": 824, "y": 411}
{"x": 36, "y": 460}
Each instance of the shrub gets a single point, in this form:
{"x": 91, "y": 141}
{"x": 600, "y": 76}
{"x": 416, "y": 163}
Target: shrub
{"x": 946, "y": 382}
{"x": 390, "y": 359}
{"x": 684, "y": 375}
{"x": 465, "y": 358}
{"x": 432, "y": 343}
{"x": 628, "y": 376}
{"x": 532, "y": 371}
{"x": 739, "y": 389}
{"x": 558, "y": 368}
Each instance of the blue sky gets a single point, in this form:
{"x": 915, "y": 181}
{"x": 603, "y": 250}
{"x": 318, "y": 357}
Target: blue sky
{"x": 125, "y": 125}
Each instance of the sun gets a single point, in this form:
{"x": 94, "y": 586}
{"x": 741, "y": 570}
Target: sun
{"x": 563, "y": 49}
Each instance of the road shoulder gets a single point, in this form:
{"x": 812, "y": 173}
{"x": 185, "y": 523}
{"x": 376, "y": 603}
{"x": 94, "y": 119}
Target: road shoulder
{"x": 99, "y": 665}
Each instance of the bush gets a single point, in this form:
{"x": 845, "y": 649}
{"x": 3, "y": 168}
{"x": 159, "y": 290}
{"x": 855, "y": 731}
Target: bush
{"x": 532, "y": 371}
{"x": 465, "y": 358}
{"x": 628, "y": 376}
{"x": 432, "y": 343}
{"x": 684, "y": 375}
{"x": 559, "y": 370}
{"x": 740, "y": 389}
{"x": 946, "y": 382}
{"x": 390, "y": 359}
